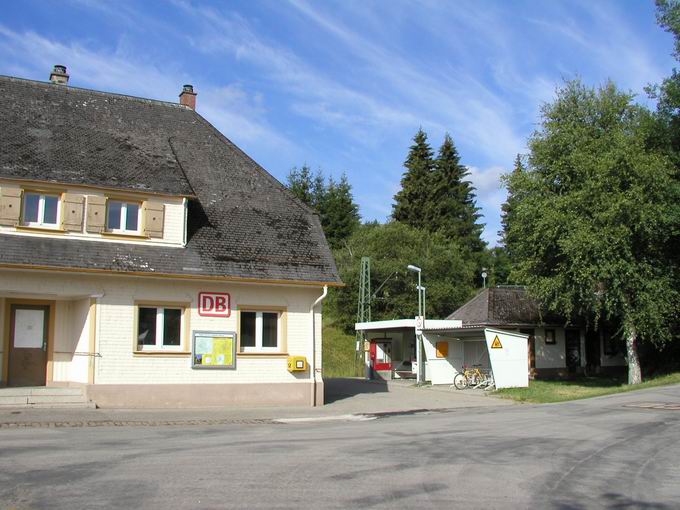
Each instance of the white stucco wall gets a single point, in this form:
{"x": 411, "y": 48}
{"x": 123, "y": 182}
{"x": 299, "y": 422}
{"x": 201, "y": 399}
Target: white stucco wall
{"x": 550, "y": 355}
{"x": 115, "y": 326}
{"x": 71, "y": 341}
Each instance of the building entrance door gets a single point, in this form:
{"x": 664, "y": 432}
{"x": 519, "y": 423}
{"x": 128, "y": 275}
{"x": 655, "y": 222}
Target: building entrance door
{"x": 381, "y": 355}
{"x": 28, "y": 333}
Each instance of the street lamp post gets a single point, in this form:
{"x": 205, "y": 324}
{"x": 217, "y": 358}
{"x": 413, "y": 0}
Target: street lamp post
{"x": 419, "y": 336}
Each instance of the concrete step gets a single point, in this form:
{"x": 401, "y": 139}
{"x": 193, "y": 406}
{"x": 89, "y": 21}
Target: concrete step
{"x": 53, "y": 397}
{"x": 40, "y": 390}
{"x": 62, "y": 405}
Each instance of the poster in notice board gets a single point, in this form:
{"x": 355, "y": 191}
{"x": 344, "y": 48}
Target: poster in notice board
{"x": 213, "y": 349}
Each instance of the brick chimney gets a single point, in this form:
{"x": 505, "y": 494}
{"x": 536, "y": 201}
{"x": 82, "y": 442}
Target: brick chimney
{"x": 188, "y": 97}
{"x": 58, "y": 75}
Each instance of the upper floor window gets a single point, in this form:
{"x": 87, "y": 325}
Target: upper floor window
{"x": 122, "y": 217}
{"x": 41, "y": 210}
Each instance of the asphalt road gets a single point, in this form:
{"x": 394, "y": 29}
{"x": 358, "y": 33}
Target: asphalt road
{"x": 598, "y": 453}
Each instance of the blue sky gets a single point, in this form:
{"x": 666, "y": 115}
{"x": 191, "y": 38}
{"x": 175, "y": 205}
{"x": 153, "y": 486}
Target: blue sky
{"x": 344, "y": 85}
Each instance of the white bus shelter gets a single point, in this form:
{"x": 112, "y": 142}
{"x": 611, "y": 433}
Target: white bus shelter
{"x": 442, "y": 348}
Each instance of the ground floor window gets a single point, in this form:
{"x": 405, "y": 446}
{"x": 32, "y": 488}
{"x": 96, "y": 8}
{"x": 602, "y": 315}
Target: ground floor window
{"x": 159, "y": 328}
{"x": 260, "y": 331}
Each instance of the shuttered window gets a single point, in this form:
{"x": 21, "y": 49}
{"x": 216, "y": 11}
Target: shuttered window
{"x": 122, "y": 217}
{"x": 40, "y": 210}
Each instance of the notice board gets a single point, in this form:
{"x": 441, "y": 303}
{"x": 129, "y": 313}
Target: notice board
{"x": 213, "y": 349}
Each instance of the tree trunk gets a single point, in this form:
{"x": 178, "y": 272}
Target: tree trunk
{"x": 634, "y": 372}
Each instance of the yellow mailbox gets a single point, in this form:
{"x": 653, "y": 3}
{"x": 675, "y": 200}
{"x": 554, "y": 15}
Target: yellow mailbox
{"x": 297, "y": 364}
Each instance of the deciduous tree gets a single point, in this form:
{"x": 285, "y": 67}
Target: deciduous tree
{"x": 597, "y": 216}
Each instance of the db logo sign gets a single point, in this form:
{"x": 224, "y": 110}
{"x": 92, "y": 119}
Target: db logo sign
{"x": 214, "y": 304}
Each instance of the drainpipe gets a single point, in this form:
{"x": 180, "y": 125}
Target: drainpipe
{"x": 185, "y": 205}
{"x": 312, "y": 363}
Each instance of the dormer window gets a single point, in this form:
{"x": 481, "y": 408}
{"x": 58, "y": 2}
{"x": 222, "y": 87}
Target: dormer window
{"x": 41, "y": 210}
{"x": 122, "y": 217}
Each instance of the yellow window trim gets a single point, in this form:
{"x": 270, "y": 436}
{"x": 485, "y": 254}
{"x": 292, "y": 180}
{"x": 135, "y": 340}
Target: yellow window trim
{"x": 41, "y": 230}
{"x": 115, "y": 235}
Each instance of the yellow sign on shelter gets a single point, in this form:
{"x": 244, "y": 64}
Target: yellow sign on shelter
{"x": 496, "y": 344}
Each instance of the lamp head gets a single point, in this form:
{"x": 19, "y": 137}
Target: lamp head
{"x": 415, "y": 269}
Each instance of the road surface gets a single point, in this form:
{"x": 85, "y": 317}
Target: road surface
{"x": 615, "y": 452}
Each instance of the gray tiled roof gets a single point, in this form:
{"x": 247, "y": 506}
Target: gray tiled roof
{"x": 503, "y": 306}
{"x": 242, "y": 222}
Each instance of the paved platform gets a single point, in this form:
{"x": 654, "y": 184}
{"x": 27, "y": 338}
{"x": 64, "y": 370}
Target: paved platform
{"x": 344, "y": 397}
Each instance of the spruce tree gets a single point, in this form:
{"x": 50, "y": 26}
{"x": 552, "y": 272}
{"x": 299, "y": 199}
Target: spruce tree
{"x": 508, "y": 207}
{"x": 300, "y": 183}
{"x": 411, "y": 202}
{"x": 452, "y": 209}
{"x": 339, "y": 213}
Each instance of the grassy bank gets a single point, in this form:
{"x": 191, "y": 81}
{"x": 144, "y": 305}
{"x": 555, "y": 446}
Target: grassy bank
{"x": 585, "y": 387}
{"x": 339, "y": 354}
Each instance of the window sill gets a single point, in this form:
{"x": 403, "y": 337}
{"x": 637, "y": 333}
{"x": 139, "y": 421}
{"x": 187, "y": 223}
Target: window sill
{"x": 44, "y": 230}
{"x": 262, "y": 354}
{"x": 161, "y": 354}
{"x": 114, "y": 235}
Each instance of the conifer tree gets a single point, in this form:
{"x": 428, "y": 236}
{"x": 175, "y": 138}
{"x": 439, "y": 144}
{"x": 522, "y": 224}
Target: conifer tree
{"x": 507, "y": 209}
{"x": 332, "y": 200}
{"x": 339, "y": 213}
{"x": 451, "y": 206}
{"x": 300, "y": 183}
{"x": 411, "y": 202}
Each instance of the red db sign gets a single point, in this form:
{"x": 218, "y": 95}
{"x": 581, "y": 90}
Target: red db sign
{"x": 214, "y": 304}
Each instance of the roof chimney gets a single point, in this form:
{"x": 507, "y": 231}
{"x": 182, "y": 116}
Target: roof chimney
{"x": 59, "y": 75}
{"x": 188, "y": 97}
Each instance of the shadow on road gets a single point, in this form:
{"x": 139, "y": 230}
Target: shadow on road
{"x": 340, "y": 389}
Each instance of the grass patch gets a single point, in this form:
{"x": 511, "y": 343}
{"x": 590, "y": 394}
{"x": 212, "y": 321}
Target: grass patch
{"x": 339, "y": 356}
{"x": 584, "y": 387}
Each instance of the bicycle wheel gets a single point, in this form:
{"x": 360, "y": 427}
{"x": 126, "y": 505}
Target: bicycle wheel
{"x": 460, "y": 381}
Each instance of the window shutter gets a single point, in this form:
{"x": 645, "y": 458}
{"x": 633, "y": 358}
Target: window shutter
{"x": 96, "y": 214}
{"x": 154, "y": 215}
{"x": 10, "y": 206}
{"x": 73, "y": 212}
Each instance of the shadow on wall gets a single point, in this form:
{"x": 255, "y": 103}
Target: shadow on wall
{"x": 340, "y": 389}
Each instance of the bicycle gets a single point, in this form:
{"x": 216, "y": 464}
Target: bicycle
{"x": 472, "y": 378}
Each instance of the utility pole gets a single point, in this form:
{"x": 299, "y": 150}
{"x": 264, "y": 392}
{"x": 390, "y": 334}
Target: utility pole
{"x": 363, "y": 307}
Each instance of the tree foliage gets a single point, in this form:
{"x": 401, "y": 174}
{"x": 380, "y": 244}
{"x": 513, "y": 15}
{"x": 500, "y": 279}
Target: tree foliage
{"x": 451, "y": 207}
{"x": 392, "y": 246}
{"x": 597, "y": 214}
{"x": 436, "y": 195}
{"x": 332, "y": 200}
{"x": 412, "y": 200}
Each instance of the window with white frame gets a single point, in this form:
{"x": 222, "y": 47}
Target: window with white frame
{"x": 122, "y": 217}
{"x": 159, "y": 328}
{"x": 41, "y": 210}
{"x": 259, "y": 331}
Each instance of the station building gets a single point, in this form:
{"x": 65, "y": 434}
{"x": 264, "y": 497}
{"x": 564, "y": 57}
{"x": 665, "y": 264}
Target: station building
{"x": 147, "y": 259}
{"x": 554, "y": 346}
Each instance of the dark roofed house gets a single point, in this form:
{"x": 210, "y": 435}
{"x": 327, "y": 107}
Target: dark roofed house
{"x": 557, "y": 347}
{"x": 129, "y": 227}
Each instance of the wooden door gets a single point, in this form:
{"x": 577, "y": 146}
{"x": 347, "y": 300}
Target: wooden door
{"x": 28, "y": 332}
{"x": 531, "y": 362}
